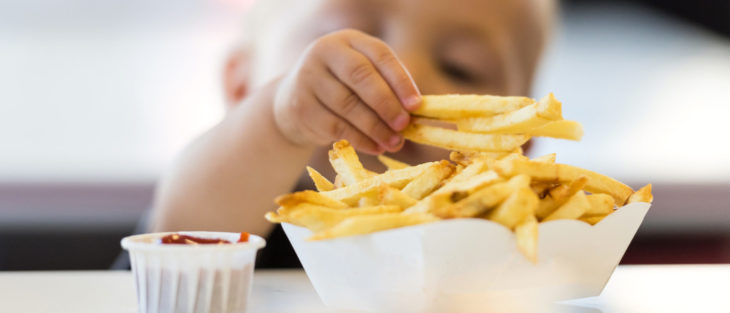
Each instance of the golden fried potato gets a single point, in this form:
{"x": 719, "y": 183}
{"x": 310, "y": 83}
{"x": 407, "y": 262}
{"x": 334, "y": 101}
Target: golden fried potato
{"x": 395, "y": 178}
{"x": 597, "y": 183}
{"x": 541, "y": 188}
{"x": 317, "y": 217}
{"x": 558, "y": 196}
{"x": 642, "y": 195}
{"x": 516, "y": 122}
{"x": 600, "y": 204}
{"x": 367, "y": 200}
{"x": 431, "y": 178}
{"x": 466, "y": 157}
{"x": 548, "y": 158}
{"x": 516, "y": 208}
{"x": 311, "y": 197}
{"x": 571, "y": 209}
{"x": 365, "y": 224}
{"x": 461, "y": 141}
{"x": 594, "y": 219}
{"x": 561, "y": 129}
{"x": 320, "y": 182}
{"x": 450, "y": 107}
{"x": 481, "y": 200}
{"x": 391, "y": 164}
{"x": 390, "y": 196}
{"x": 527, "y": 233}
{"x": 346, "y": 163}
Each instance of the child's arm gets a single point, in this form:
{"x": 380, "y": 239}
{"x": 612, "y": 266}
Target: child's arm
{"x": 346, "y": 85}
{"x": 226, "y": 179}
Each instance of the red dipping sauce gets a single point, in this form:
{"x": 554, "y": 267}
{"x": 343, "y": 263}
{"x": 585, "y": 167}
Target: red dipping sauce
{"x": 181, "y": 239}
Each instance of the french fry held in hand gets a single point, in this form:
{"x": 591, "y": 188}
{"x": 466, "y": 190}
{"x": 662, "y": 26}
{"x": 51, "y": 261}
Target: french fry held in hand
{"x": 533, "y": 116}
{"x": 487, "y": 176}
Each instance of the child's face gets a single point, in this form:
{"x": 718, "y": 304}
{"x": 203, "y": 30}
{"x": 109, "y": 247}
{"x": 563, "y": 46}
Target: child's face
{"x": 449, "y": 46}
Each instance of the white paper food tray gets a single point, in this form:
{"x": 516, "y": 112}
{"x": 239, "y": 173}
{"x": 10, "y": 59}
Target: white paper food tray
{"x": 461, "y": 263}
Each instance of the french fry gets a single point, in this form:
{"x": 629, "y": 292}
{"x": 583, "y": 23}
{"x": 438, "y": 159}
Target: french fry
{"x": 597, "y": 183}
{"x": 493, "y": 155}
{"x": 346, "y": 163}
{"x": 311, "y": 197}
{"x": 571, "y": 209}
{"x": 541, "y": 188}
{"x": 511, "y": 156}
{"x": 642, "y": 195}
{"x": 562, "y": 192}
{"x": 465, "y": 157}
{"x": 390, "y": 196}
{"x": 460, "y": 141}
{"x": 515, "y": 209}
{"x": 390, "y": 163}
{"x": 428, "y": 180}
{"x": 338, "y": 182}
{"x": 600, "y": 204}
{"x": 519, "y": 121}
{"x": 365, "y": 224}
{"x": 367, "y": 200}
{"x": 468, "y": 171}
{"x": 457, "y": 169}
{"x": 481, "y": 200}
{"x": 561, "y": 129}
{"x": 517, "y": 150}
{"x": 470, "y": 184}
{"x": 459, "y": 158}
{"x": 545, "y": 207}
{"x": 491, "y": 162}
{"x": 559, "y": 195}
{"x": 455, "y": 188}
{"x": 548, "y": 158}
{"x": 449, "y": 107}
{"x": 320, "y": 182}
{"x": 527, "y": 233}
{"x": 316, "y": 217}
{"x": 395, "y": 178}
{"x": 594, "y": 219}
{"x": 431, "y": 203}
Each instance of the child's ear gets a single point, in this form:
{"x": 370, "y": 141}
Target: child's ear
{"x": 236, "y": 77}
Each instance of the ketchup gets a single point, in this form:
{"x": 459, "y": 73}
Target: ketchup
{"x": 192, "y": 240}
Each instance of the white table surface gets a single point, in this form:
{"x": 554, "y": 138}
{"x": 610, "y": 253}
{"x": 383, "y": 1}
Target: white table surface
{"x": 639, "y": 289}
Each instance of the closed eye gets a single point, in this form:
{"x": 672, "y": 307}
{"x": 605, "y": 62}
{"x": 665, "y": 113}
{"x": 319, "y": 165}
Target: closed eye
{"x": 459, "y": 73}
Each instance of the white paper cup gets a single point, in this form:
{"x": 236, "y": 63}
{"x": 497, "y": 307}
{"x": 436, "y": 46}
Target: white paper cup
{"x": 180, "y": 278}
{"x": 465, "y": 265}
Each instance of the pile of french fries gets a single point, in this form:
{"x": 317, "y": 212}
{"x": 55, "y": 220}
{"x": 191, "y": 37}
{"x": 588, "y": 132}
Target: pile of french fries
{"x": 486, "y": 177}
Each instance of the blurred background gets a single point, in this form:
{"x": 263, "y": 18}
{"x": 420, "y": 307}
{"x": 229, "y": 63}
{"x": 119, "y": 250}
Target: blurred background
{"x": 97, "y": 97}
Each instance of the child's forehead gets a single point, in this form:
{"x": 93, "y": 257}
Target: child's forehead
{"x": 425, "y": 17}
{"x": 424, "y": 11}
{"x": 478, "y": 12}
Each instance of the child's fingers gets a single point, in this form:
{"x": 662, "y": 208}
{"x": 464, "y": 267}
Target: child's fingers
{"x": 343, "y": 102}
{"x": 358, "y": 73}
{"x": 330, "y": 127}
{"x": 390, "y": 67}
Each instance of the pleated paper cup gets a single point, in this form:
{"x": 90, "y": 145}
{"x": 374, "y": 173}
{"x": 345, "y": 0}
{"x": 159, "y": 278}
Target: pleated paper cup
{"x": 180, "y": 278}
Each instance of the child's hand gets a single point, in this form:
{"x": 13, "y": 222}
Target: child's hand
{"x": 347, "y": 85}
